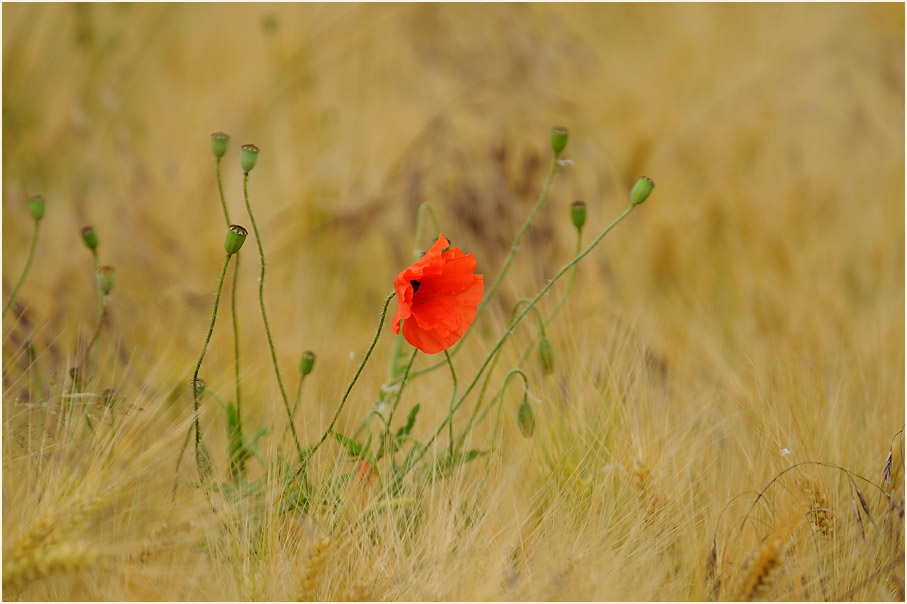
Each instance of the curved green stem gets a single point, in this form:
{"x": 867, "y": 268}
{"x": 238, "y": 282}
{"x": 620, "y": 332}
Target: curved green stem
{"x": 399, "y": 394}
{"x": 28, "y": 259}
{"x": 349, "y": 388}
{"x": 86, "y": 355}
{"x": 514, "y": 323}
{"x": 450, "y": 404}
{"x": 223, "y": 199}
{"x": 264, "y": 314}
{"x": 560, "y": 303}
{"x": 236, "y": 343}
{"x": 196, "y": 391}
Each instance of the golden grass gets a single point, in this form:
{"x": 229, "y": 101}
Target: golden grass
{"x": 748, "y": 317}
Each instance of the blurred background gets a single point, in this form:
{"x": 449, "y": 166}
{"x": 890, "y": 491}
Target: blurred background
{"x": 765, "y": 272}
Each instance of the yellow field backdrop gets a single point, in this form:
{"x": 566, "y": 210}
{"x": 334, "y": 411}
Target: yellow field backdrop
{"x": 748, "y": 317}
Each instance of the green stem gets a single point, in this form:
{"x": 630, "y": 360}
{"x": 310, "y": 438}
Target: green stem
{"x": 450, "y": 403}
{"x": 513, "y": 324}
{"x": 28, "y": 259}
{"x": 264, "y": 314}
{"x": 94, "y": 337}
{"x": 349, "y": 388}
{"x": 399, "y": 394}
{"x": 97, "y": 286}
{"x": 223, "y": 203}
{"x": 236, "y": 343}
{"x": 560, "y": 304}
{"x": 223, "y": 199}
{"x": 196, "y": 393}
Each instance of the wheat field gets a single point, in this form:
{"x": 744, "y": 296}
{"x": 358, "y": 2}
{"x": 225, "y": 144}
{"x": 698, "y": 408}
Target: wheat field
{"x": 724, "y": 416}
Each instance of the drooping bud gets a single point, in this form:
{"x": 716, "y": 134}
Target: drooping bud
{"x": 558, "y": 139}
{"x": 578, "y": 214}
{"x": 525, "y": 418}
{"x": 307, "y": 363}
{"x": 641, "y": 190}
{"x": 219, "y": 142}
{"x": 107, "y": 276}
{"x": 247, "y": 157}
{"x": 90, "y": 238}
{"x": 546, "y": 355}
{"x": 236, "y": 236}
{"x": 36, "y": 207}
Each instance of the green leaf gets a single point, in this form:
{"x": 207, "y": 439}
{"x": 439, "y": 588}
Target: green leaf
{"x": 351, "y": 446}
{"x": 410, "y": 422}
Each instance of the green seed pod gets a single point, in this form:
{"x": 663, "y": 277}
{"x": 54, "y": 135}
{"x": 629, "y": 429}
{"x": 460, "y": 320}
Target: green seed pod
{"x": 247, "y": 157}
{"x": 236, "y": 236}
{"x": 36, "y": 207}
{"x": 578, "y": 214}
{"x": 107, "y": 276}
{"x": 546, "y": 355}
{"x": 558, "y": 139}
{"x": 641, "y": 190}
{"x": 307, "y": 363}
{"x": 219, "y": 142}
{"x": 90, "y": 238}
{"x": 526, "y": 420}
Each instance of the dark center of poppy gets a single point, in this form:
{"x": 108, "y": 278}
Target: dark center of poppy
{"x": 415, "y": 285}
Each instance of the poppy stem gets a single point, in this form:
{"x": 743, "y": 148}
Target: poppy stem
{"x": 196, "y": 390}
{"x": 311, "y": 450}
{"x": 235, "y": 318}
{"x": 28, "y": 259}
{"x": 220, "y": 188}
{"x": 399, "y": 392}
{"x": 450, "y": 404}
{"x": 264, "y": 314}
{"x": 514, "y": 323}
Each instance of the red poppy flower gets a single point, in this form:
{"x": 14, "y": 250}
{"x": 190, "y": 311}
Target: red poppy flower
{"x": 438, "y": 296}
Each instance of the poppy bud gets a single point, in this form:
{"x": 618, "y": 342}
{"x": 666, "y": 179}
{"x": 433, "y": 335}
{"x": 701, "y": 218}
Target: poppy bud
{"x": 90, "y": 238}
{"x": 247, "y": 157}
{"x": 546, "y": 355}
{"x": 307, "y": 363}
{"x": 578, "y": 214}
{"x": 36, "y": 207}
{"x": 641, "y": 190}
{"x": 219, "y": 142}
{"x": 107, "y": 276}
{"x": 236, "y": 236}
{"x": 526, "y": 420}
{"x": 558, "y": 139}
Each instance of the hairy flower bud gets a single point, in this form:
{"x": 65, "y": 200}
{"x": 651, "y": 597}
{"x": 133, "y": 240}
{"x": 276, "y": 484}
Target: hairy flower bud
{"x": 525, "y": 418}
{"x": 641, "y": 190}
{"x": 90, "y": 238}
{"x": 546, "y": 355}
{"x": 578, "y": 214}
{"x": 36, "y": 207}
{"x": 307, "y": 363}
